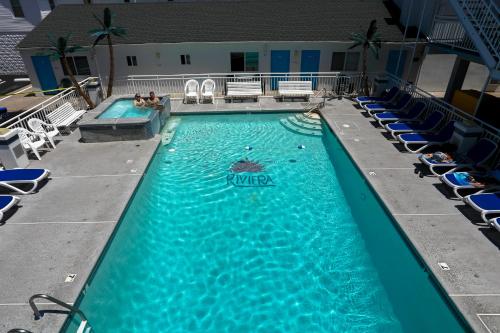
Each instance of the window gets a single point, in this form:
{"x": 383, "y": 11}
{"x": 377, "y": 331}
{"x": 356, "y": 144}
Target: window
{"x": 345, "y": 61}
{"x": 126, "y": 1}
{"x": 185, "y": 59}
{"x": 17, "y": 9}
{"x": 78, "y": 65}
{"x": 244, "y": 61}
{"x": 52, "y": 4}
{"x": 131, "y": 60}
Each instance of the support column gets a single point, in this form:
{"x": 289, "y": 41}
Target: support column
{"x": 457, "y": 77}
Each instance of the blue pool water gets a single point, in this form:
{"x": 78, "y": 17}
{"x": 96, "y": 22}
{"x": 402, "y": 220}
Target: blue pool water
{"x": 223, "y": 238}
{"x": 124, "y": 108}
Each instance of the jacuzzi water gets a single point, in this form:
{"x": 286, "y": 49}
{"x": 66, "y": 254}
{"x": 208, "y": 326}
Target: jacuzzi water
{"x": 124, "y": 108}
{"x": 236, "y": 229}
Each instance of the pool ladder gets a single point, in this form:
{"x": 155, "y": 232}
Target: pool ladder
{"x": 84, "y": 326}
{"x": 310, "y": 107}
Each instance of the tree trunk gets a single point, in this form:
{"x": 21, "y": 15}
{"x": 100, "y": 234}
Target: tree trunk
{"x": 75, "y": 83}
{"x": 364, "y": 76}
{"x": 111, "y": 67}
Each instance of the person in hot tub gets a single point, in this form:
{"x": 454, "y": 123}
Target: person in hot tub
{"x": 139, "y": 101}
{"x": 153, "y": 101}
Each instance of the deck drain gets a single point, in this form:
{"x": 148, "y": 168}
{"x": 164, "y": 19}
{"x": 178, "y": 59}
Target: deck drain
{"x": 130, "y": 161}
{"x": 372, "y": 173}
{"x": 133, "y": 170}
{"x": 70, "y": 277}
{"x": 346, "y": 125}
{"x": 356, "y": 140}
{"x": 444, "y": 266}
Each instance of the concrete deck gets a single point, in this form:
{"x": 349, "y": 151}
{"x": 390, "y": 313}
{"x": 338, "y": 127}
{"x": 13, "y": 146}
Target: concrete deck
{"x": 64, "y": 227}
{"x": 441, "y": 229}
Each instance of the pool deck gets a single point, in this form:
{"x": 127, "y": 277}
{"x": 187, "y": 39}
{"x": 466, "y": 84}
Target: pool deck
{"x": 64, "y": 227}
{"x": 441, "y": 229}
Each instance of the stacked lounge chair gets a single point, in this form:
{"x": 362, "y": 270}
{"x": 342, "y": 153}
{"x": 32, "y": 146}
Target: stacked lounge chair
{"x": 486, "y": 204}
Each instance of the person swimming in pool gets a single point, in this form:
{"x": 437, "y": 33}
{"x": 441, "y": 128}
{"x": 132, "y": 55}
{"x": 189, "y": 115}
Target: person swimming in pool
{"x": 139, "y": 101}
{"x": 153, "y": 101}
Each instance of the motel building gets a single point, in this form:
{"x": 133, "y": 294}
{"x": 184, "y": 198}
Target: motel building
{"x": 227, "y": 37}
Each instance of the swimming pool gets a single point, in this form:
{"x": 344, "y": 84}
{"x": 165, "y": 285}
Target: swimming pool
{"x": 240, "y": 225}
{"x": 124, "y": 108}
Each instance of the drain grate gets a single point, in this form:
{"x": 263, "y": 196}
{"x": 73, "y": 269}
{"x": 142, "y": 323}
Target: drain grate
{"x": 70, "y": 277}
{"x": 444, "y": 266}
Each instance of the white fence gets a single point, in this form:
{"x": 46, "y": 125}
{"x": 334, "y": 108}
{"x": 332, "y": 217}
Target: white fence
{"x": 341, "y": 83}
{"x": 41, "y": 110}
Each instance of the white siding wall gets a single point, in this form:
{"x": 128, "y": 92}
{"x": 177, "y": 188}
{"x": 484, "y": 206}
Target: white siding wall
{"x": 9, "y": 23}
{"x": 155, "y": 59}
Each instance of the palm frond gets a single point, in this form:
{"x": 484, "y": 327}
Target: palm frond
{"x": 118, "y": 31}
{"x": 108, "y": 17}
{"x": 354, "y": 45}
{"x": 98, "y": 19}
{"x": 371, "y": 30}
{"x": 374, "y": 49}
{"x": 98, "y": 39}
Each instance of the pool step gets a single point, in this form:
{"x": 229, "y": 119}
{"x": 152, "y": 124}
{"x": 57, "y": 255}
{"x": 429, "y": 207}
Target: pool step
{"x": 168, "y": 131}
{"x": 300, "y": 130}
{"x": 302, "y": 117}
{"x": 303, "y": 124}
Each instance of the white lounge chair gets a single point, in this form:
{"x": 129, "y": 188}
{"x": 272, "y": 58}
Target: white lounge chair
{"x": 41, "y": 127}
{"x": 244, "y": 89}
{"x": 292, "y": 89}
{"x": 31, "y": 141}
{"x": 208, "y": 90}
{"x": 191, "y": 91}
{"x": 64, "y": 116}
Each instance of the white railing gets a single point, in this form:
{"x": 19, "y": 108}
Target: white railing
{"x": 42, "y": 109}
{"x": 485, "y": 18}
{"x": 173, "y": 85}
{"x": 451, "y": 113}
{"x": 449, "y": 31}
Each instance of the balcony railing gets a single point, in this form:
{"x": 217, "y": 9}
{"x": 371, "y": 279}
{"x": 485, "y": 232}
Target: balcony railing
{"x": 449, "y": 31}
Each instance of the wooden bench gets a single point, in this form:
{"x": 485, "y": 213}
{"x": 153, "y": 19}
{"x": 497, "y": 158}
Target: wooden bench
{"x": 295, "y": 89}
{"x": 244, "y": 89}
{"x": 64, "y": 116}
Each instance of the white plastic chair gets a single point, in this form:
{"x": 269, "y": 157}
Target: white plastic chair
{"x": 31, "y": 140}
{"x": 191, "y": 91}
{"x": 41, "y": 127}
{"x": 208, "y": 90}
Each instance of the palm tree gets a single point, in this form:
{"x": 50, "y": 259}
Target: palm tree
{"x": 106, "y": 30}
{"x": 59, "y": 49}
{"x": 370, "y": 40}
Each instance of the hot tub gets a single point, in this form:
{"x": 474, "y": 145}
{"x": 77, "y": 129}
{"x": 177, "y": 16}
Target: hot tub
{"x": 116, "y": 119}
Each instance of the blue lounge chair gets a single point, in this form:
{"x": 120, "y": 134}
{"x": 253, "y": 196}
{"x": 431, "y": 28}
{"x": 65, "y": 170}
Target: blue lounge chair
{"x": 12, "y": 177}
{"x": 426, "y": 140}
{"x": 6, "y": 203}
{"x": 467, "y": 181}
{"x": 485, "y": 203}
{"x": 387, "y": 98}
{"x": 398, "y": 106}
{"x": 428, "y": 125}
{"x": 495, "y": 223}
{"x": 482, "y": 150}
{"x": 412, "y": 114}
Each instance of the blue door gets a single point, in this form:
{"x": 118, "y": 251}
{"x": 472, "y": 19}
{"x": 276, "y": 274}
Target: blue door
{"x": 309, "y": 62}
{"x": 280, "y": 63}
{"x": 43, "y": 68}
{"x": 392, "y": 62}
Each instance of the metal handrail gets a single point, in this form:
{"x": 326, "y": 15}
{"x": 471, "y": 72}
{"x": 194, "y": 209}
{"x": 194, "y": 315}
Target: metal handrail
{"x": 307, "y": 106}
{"x": 39, "y": 315}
